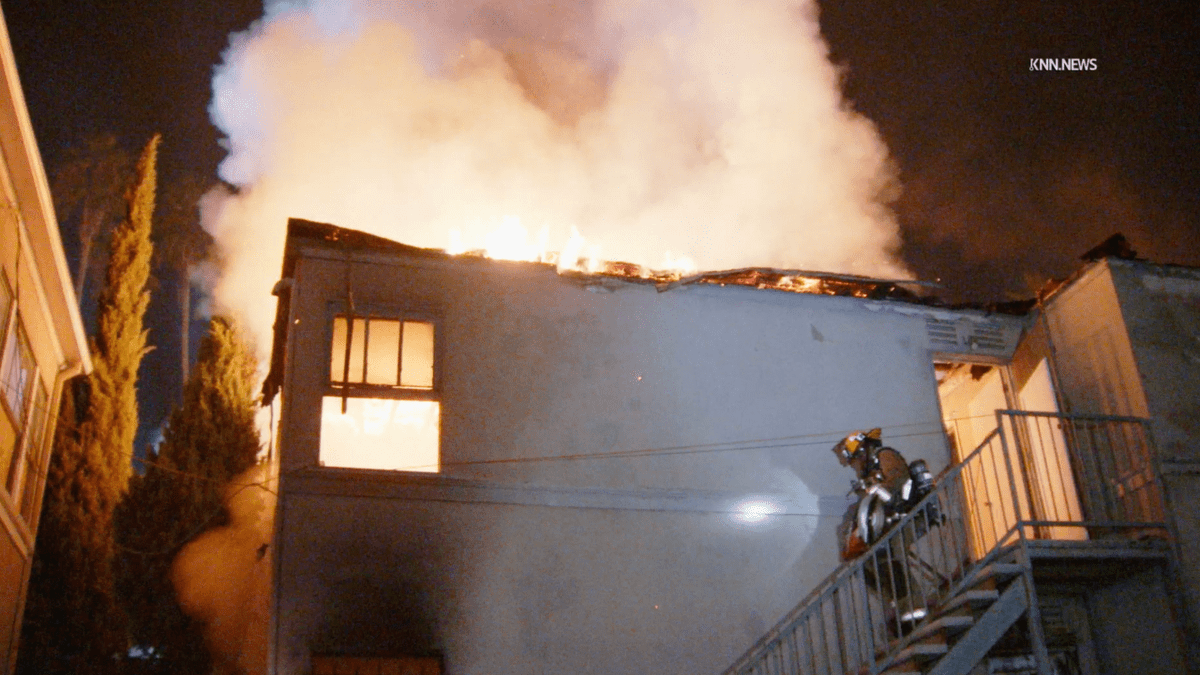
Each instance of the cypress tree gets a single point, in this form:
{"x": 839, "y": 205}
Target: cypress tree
{"x": 72, "y": 622}
{"x": 209, "y": 439}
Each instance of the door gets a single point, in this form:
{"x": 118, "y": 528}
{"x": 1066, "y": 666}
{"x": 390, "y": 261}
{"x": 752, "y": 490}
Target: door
{"x": 1047, "y": 459}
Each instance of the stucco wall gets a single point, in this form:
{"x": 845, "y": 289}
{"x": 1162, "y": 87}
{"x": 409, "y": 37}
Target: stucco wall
{"x": 1127, "y": 339}
{"x": 1161, "y": 307}
{"x": 1131, "y": 634}
{"x": 1095, "y": 362}
{"x": 587, "y": 565}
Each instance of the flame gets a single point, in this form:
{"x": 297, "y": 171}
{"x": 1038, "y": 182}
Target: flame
{"x": 380, "y": 434}
{"x": 510, "y": 240}
{"x": 579, "y": 255}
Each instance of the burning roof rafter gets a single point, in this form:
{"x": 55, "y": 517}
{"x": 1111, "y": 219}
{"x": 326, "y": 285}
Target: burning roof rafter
{"x": 602, "y": 274}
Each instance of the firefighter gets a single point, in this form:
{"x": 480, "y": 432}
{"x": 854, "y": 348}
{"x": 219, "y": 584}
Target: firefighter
{"x": 873, "y": 463}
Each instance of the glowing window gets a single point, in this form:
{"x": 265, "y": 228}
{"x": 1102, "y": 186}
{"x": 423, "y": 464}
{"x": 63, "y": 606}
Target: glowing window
{"x": 381, "y": 410}
{"x": 16, "y": 372}
{"x": 382, "y": 352}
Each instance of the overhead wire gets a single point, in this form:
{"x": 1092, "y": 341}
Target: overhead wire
{"x": 792, "y": 441}
{"x": 798, "y": 440}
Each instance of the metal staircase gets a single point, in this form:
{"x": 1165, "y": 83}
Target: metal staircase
{"x": 970, "y": 623}
{"x": 954, "y": 581}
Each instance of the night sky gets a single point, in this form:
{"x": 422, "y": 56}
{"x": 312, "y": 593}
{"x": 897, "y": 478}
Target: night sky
{"x": 1008, "y": 174}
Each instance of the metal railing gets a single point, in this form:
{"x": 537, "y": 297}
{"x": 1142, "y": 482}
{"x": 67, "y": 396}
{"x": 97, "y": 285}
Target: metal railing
{"x": 1097, "y": 472}
{"x": 1022, "y": 480}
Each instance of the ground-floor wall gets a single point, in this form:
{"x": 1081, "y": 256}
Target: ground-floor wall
{"x": 14, "y": 575}
{"x": 515, "y": 579}
{"x": 1132, "y": 626}
{"x": 1101, "y": 617}
{"x": 1183, "y": 505}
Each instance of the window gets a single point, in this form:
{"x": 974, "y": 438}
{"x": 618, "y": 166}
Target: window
{"x": 381, "y": 409}
{"x": 24, "y": 403}
{"x": 23, "y": 477}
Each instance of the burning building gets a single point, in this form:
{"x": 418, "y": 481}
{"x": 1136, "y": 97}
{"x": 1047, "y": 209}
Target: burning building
{"x": 489, "y": 466}
{"x": 502, "y": 468}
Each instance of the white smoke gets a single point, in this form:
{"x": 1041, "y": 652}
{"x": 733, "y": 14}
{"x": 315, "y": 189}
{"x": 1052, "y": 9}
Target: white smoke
{"x": 712, "y": 129}
{"x": 223, "y": 577}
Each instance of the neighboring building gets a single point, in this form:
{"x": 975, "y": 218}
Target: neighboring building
{"x": 42, "y": 344}
{"x": 574, "y": 473}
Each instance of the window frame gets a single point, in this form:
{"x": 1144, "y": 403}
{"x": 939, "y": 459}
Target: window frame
{"x": 27, "y": 452}
{"x": 12, "y": 328}
{"x": 363, "y": 390}
{"x": 32, "y": 459}
{"x": 346, "y": 390}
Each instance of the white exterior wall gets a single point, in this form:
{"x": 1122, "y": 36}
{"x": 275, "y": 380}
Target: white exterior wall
{"x": 1094, "y": 359}
{"x": 587, "y": 565}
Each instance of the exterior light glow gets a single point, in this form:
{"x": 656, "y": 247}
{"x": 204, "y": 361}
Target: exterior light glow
{"x": 754, "y": 511}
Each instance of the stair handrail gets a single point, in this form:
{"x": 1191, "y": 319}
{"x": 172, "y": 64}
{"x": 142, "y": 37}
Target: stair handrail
{"x": 852, "y": 571}
{"x": 1006, "y": 505}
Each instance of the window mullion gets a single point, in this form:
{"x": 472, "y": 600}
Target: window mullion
{"x": 9, "y": 315}
{"x": 8, "y": 326}
{"x": 346, "y": 361}
{"x": 400, "y": 354}
{"x": 366, "y": 347}
{"x": 16, "y": 469}
{"x": 6, "y": 329}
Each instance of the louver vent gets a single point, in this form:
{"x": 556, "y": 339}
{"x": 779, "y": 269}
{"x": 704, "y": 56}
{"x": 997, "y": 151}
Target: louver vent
{"x": 942, "y": 334}
{"x": 987, "y": 337}
{"x": 967, "y": 336}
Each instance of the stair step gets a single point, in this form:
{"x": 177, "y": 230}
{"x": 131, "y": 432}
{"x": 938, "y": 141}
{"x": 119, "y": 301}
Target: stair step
{"x": 944, "y": 627}
{"x": 989, "y": 627}
{"x": 974, "y": 599}
{"x": 914, "y": 655}
{"x": 991, "y": 576}
{"x": 904, "y": 669}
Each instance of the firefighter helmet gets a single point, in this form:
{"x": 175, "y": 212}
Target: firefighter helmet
{"x": 849, "y": 447}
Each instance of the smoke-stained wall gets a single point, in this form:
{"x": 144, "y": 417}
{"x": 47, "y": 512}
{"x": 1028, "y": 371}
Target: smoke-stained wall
{"x": 1160, "y": 305}
{"x": 508, "y": 562}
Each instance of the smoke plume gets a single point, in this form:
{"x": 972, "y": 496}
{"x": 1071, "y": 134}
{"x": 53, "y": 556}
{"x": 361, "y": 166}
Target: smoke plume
{"x": 223, "y": 577}
{"x": 707, "y": 129}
